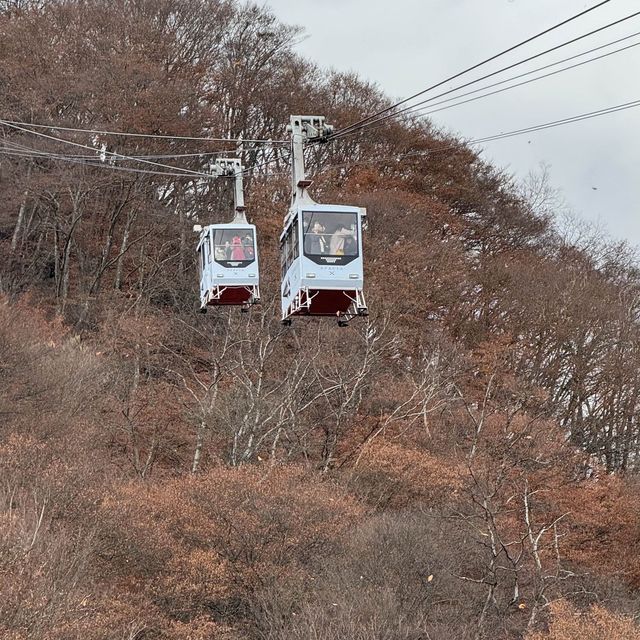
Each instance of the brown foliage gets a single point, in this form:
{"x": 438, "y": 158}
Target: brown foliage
{"x": 393, "y": 475}
{"x": 605, "y": 528}
{"x": 569, "y": 624}
{"x": 201, "y": 547}
{"x": 434, "y": 470}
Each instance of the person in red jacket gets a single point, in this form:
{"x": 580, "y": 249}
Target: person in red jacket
{"x": 237, "y": 250}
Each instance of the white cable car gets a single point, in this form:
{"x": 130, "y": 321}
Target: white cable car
{"x": 320, "y": 246}
{"x": 228, "y": 254}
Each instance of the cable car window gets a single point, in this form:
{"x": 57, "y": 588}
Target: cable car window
{"x": 289, "y": 249}
{"x": 284, "y": 253}
{"x": 296, "y": 242}
{"x": 234, "y": 247}
{"x": 284, "y": 262}
{"x": 330, "y": 238}
{"x": 293, "y": 250}
{"x": 203, "y": 250}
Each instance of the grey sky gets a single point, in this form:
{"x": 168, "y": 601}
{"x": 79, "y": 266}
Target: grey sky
{"x": 405, "y": 45}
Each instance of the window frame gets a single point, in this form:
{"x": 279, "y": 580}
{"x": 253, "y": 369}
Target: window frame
{"x": 241, "y": 231}
{"x": 330, "y": 259}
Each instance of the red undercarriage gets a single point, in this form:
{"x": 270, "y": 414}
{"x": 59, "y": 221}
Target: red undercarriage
{"x": 326, "y": 302}
{"x": 232, "y": 295}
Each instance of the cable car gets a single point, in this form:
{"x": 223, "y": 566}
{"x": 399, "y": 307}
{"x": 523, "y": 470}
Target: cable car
{"x": 228, "y": 253}
{"x": 320, "y": 246}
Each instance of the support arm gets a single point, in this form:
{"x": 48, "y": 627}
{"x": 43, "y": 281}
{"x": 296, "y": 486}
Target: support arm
{"x": 232, "y": 167}
{"x": 304, "y": 129}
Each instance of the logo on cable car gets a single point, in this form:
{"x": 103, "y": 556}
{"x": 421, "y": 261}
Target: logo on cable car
{"x": 329, "y": 260}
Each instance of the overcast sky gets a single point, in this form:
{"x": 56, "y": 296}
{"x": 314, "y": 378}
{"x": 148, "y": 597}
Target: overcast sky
{"x": 406, "y": 45}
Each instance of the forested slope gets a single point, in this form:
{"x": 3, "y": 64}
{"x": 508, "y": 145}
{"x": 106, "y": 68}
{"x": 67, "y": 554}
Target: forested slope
{"x": 461, "y": 465}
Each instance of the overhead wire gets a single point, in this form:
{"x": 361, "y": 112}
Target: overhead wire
{"x": 143, "y": 156}
{"x": 498, "y": 136}
{"x": 146, "y": 135}
{"x": 484, "y": 62}
{"x": 489, "y": 138}
{"x": 23, "y": 154}
{"x": 578, "y": 118}
{"x": 476, "y": 141}
{"x": 100, "y": 151}
{"x": 428, "y": 110}
{"x": 482, "y": 140}
{"x": 384, "y": 114}
{"x": 18, "y": 150}
{"x": 153, "y": 156}
{"x": 104, "y": 152}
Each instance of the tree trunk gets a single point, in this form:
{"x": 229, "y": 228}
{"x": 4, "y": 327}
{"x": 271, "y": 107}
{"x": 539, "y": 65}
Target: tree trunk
{"x": 123, "y": 250}
{"x": 21, "y": 211}
{"x": 197, "y": 455}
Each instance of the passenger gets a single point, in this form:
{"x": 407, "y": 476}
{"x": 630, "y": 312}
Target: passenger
{"x": 221, "y": 253}
{"x": 350, "y": 244}
{"x": 337, "y": 246}
{"x": 237, "y": 251}
{"x": 247, "y": 243}
{"x": 314, "y": 242}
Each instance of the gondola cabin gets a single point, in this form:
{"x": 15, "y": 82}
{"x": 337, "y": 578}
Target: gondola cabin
{"x": 321, "y": 260}
{"x": 228, "y": 265}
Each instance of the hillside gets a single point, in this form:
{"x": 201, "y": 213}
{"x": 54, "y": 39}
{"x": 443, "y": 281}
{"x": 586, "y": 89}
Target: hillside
{"x": 460, "y": 465}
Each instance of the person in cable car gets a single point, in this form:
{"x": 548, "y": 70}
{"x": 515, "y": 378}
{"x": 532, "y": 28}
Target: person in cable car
{"x": 237, "y": 250}
{"x": 350, "y": 243}
{"x": 338, "y": 244}
{"x": 247, "y": 243}
{"x": 315, "y": 242}
{"x": 220, "y": 252}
